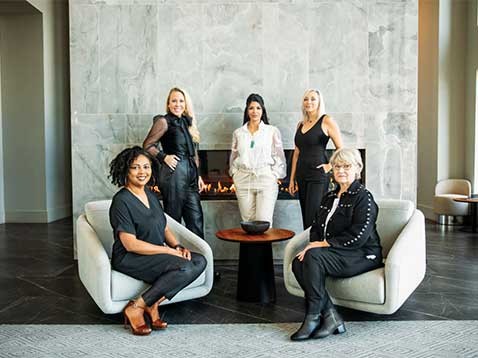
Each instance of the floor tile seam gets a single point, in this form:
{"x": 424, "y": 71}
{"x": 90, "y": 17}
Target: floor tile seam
{"x": 52, "y": 275}
{"x": 237, "y": 312}
{"x": 41, "y": 287}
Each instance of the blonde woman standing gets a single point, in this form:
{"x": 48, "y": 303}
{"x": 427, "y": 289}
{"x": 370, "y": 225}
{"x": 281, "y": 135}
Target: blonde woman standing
{"x": 310, "y": 167}
{"x": 178, "y": 178}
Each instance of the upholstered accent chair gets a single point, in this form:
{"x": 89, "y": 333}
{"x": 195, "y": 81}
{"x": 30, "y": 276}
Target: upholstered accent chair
{"x": 111, "y": 290}
{"x": 384, "y": 290}
{"x": 443, "y": 204}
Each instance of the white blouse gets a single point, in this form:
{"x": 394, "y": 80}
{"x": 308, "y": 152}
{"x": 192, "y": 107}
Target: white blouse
{"x": 258, "y": 150}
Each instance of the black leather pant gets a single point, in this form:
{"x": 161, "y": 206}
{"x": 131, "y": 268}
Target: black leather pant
{"x": 319, "y": 263}
{"x": 167, "y": 274}
{"x": 180, "y": 192}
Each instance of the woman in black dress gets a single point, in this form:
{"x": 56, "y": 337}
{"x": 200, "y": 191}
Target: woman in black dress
{"x": 310, "y": 168}
{"x": 144, "y": 247}
{"x": 178, "y": 178}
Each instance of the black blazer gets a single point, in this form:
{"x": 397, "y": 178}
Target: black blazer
{"x": 352, "y": 227}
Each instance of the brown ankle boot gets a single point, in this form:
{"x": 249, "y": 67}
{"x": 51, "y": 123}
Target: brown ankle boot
{"x": 156, "y": 322}
{"x": 136, "y": 321}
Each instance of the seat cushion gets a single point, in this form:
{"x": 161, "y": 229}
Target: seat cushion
{"x": 124, "y": 287}
{"x": 445, "y": 205}
{"x": 368, "y": 287}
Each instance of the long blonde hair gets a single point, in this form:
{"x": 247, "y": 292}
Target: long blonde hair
{"x": 320, "y": 110}
{"x": 188, "y": 111}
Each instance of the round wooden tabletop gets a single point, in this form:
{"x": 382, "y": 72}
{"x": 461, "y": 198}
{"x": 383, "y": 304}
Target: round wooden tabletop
{"x": 239, "y": 235}
{"x": 466, "y": 200}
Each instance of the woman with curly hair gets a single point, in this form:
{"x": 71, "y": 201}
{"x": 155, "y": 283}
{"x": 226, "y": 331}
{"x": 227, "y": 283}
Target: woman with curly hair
{"x": 144, "y": 247}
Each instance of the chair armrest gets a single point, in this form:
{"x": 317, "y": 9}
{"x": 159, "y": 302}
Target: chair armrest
{"x": 94, "y": 266}
{"x": 194, "y": 243}
{"x": 405, "y": 265}
{"x": 296, "y": 244}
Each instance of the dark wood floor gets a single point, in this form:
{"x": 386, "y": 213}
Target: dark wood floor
{"x": 39, "y": 284}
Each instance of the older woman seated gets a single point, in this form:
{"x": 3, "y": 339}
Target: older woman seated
{"x": 343, "y": 242}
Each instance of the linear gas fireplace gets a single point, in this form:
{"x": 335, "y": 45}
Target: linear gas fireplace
{"x": 214, "y": 169}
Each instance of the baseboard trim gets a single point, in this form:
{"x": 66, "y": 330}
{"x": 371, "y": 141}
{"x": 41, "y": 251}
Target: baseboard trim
{"x": 26, "y": 216}
{"x": 38, "y": 216}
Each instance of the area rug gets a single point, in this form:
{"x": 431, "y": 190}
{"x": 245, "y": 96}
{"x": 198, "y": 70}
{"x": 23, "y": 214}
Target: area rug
{"x": 362, "y": 339}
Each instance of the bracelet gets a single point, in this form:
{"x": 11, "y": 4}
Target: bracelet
{"x": 180, "y": 246}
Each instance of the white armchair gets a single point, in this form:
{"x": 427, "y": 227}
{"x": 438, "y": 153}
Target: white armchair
{"x": 110, "y": 289}
{"x": 444, "y": 205}
{"x": 384, "y": 290}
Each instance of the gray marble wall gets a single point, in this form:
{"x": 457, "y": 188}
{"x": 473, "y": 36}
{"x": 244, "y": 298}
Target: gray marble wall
{"x": 362, "y": 54}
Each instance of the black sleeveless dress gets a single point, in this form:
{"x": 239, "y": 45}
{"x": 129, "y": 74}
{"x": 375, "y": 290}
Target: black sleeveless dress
{"x": 313, "y": 182}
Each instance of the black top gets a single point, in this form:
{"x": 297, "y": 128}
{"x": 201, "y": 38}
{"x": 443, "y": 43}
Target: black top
{"x": 129, "y": 214}
{"x": 352, "y": 227}
{"x": 312, "y": 146}
{"x": 173, "y": 133}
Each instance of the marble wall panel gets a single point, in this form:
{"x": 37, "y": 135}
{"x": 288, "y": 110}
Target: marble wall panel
{"x": 90, "y": 173}
{"x": 103, "y": 129}
{"x": 137, "y": 127}
{"x": 180, "y": 51}
{"x": 285, "y": 56}
{"x": 84, "y": 57}
{"x": 338, "y": 54}
{"x": 286, "y": 122}
{"x": 216, "y": 129}
{"x": 233, "y": 54}
{"x": 393, "y": 57}
{"x": 128, "y": 36}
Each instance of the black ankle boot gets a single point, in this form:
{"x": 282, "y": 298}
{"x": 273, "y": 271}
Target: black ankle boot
{"x": 332, "y": 323}
{"x": 310, "y": 324}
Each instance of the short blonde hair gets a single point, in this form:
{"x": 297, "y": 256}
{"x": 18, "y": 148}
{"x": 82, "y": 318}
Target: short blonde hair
{"x": 348, "y": 156}
{"x": 188, "y": 111}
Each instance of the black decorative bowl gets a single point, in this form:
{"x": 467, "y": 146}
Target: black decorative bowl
{"x": 255, "y": 227}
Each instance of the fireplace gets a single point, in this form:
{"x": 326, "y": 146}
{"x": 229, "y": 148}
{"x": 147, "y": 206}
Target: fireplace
{"x": 214, "y": 169}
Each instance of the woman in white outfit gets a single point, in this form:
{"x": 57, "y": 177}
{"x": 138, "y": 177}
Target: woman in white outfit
{"x": 257, "y": 162}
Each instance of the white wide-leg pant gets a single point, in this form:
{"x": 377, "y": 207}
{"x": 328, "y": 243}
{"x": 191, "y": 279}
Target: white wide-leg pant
{"x": 256, "y": 194}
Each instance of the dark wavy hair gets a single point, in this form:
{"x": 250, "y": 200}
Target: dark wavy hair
{"x": 254, "y": 97}
{"x": 119, "y": 166}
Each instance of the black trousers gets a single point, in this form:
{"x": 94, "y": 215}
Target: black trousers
{"x": 167, "y": 274}
{"x": 319, "y": 263}
{"x": 180, "y": 192}
{"x": 310, "y": 197}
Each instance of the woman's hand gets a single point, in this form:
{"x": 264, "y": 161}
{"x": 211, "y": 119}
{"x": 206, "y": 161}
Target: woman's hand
{"x": 293, "y": 187}
{"x": 327, "y": 167}
{"x": 171, "y": 161}
{"x": 185, "y": 253}
{"x": 176, "y": 252}
{"x": 311, "y": 245}
{"x": 201, "y": 185}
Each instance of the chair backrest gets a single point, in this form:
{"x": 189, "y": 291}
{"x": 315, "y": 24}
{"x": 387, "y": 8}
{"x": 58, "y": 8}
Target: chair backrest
{"x": 453, "y": 186}
{"x": 97, "y": 214}
{"x": 393, "y": 215}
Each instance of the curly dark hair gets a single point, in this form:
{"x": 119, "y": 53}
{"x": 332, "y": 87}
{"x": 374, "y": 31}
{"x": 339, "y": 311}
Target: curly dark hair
{"x": 119, "y": 166}
{"x": 254, "y": 97}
